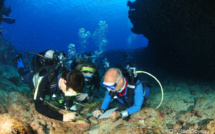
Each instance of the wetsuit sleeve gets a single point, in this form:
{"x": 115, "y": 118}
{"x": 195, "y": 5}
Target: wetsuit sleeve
{"x": 106, "y": 101}
{"x": 39, "y": 103}
{"x": 138, "y": 100}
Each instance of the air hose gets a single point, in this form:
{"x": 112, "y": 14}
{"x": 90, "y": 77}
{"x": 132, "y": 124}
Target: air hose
{"x": 158, "y": 83}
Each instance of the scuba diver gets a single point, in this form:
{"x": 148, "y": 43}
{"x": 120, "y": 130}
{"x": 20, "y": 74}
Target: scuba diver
{"x": 125, "y": 87}
{"x": 4, "y": 16}
{"x": 85, "y": 64}
{"x": 48, "y": 78}
{"x": 7, "y": 19}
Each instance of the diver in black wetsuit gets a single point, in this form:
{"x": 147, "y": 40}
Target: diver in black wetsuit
{"x": 47, "y": 79}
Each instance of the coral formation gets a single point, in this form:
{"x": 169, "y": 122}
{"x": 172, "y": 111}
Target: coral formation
{"x": 9, "y": 125}
{"x": 7, "y": 51}
{"x": 210, "y": 126}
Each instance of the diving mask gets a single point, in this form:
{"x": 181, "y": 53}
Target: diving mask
{"x": 109, "y": 86}
{"x": 112, "y": 86}
{"x": 88, "y": 75}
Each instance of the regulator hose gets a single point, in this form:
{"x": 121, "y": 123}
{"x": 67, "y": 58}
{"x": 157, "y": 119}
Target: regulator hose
{"x": 158, "y": 83}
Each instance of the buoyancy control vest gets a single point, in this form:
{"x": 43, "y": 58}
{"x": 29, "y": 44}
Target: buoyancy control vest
{"x": 48, "y": 66}
{"x": 132, "y": 82}
{"x": 133, "y": 73}
{"x": 50, "y": 85}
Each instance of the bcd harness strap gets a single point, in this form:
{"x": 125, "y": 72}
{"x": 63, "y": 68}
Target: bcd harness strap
{"x": 37, "y": 87}
{"x": 37, "y": 81}
{"x": 130, "y": 94}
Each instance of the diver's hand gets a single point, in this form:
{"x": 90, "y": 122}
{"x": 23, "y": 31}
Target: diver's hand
{"x": 82, "y": 96}
{"x": 98, "y": 113}
{"x": 115, "y": 115}
{"x": 70, "y": 117}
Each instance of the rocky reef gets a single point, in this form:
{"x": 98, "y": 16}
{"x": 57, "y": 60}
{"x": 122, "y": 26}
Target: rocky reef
{"x": 10, "y": 125}
{"x": 187, "y": 106}
{"x": 181, "y": 33}
{"x": 7, "y": 51}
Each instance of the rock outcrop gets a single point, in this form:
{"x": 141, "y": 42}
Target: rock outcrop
{"x": 187, "y": 105}
{"x": 9, "y": 125}
{"x": 181, "y": 33}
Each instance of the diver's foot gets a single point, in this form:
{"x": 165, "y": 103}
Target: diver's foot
{"x": 18, "y": 56}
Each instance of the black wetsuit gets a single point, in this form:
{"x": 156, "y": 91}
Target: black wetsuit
{"x": 46, "y": 88}
{"x": 48, "y": 84}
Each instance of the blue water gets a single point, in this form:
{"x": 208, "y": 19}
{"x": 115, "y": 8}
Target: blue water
{"x": 44, "y": 24}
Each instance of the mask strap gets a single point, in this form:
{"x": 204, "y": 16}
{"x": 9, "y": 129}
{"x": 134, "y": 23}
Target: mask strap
{"x": 123, "y": 87}
{"x": 120, "y": 75}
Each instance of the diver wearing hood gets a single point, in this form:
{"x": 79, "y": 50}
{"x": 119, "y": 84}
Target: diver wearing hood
{"x": 85, "y": 64}
{"x": 48, "y": 78}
